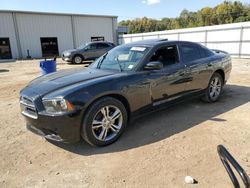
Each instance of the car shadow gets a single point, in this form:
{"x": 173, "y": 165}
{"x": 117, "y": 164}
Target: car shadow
{"x": 165, "y": 123}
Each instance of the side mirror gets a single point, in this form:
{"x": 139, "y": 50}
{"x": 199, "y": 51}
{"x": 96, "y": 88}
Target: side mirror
{"x": 154, "y": 65}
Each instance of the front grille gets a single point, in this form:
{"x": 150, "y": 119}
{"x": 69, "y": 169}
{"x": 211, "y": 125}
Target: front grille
{"x": 28, "y": 108}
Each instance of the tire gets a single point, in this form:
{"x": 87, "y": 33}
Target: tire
{"x": 214, "y": 89}
{"x": 99, "y": 130}
{"x": 77, "y": 59}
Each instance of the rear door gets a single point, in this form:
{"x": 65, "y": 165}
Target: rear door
{"x": 196, "y": 67}
{"x": 103, "y": 48}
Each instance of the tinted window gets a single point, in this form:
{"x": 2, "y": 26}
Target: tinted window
{"x": 167, "y": 55}
{"x": 92, "y": 46}
{"x": 208, "y": 52}
{"x": 190, "y": 53}
{"x": 111, "y": 44}
{"x": 102, "y": 45}
{"x": 203, "y": 53}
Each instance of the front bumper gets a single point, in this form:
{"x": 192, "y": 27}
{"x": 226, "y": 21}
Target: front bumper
{"x": 66, "y": 58}
{"x": 64, "y": 128}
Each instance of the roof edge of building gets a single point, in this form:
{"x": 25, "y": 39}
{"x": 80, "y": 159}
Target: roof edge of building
{"x": 56, "y": 13}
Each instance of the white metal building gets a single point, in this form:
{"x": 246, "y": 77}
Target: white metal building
{"x": 36, "y": 34}
{"x": 233, "y": 38}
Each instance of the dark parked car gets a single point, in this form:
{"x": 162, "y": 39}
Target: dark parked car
{"x": 96, "y": 103}
{"x": 88, "y": 51}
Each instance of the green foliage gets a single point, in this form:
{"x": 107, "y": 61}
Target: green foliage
{"x": 226, "y": 12}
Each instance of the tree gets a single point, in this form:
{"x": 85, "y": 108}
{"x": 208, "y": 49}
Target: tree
{"x": 226, "y": 12}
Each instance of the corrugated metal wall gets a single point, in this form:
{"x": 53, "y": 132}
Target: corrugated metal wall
{"x": 7, "y": 31}
{"x": 32, "y": 27}
{"x": 24, "y": 29}
{"x": 87, "y": 27}
{"x": 233, "y": 38}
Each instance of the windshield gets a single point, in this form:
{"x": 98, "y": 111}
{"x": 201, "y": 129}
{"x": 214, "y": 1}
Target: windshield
{"x": 82, "y": 46}
{"x": 122, "y": 58}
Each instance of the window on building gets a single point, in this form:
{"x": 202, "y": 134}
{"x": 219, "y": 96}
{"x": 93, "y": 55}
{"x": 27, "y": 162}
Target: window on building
{"x": 94, "y": 39}
{"x": 49, "y": 46}
{"x": 5, "y": 50}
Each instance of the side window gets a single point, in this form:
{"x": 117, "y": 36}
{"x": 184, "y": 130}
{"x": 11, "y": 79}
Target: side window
{"x": 167, "y": 55}
{"x": 93, "y": 46}
{"x": 208, "y": 52}
{"x": 102, "y": 45}
{"x": 190, "y": 53}
{"x": 203, "y": 53}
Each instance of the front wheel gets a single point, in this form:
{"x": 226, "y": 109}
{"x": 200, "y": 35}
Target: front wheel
{"x": 77, "y": 59}
{"x": 104, "y": 122}
{"x": 214, "y": 89}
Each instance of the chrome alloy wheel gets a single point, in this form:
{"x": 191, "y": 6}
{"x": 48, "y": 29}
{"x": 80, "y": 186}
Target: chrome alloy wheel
{"x": 78, "y": 60}
{"x": 215, "y": 88}
{"x": 107, "y": 123}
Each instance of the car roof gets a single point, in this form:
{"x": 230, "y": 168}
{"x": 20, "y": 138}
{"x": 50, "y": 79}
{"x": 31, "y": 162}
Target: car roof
{"x": 100, "y": 42}
{"x": 156, "y": 42}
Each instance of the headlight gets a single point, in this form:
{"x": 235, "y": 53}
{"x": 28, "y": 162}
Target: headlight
{"x": 66, "y": 54}
{"x": 57, "y": 106}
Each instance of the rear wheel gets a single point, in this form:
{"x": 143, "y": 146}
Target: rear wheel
{"x": 77, "y": 59}
{"x": 214, "y": 89}
{"x": 104, "y": 122}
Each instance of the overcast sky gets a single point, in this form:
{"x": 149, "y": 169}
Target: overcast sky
{"x": 125, "y": 9}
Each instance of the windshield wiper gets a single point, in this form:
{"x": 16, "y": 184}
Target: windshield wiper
{"x": 103, "y": 58}
{"x": 119, "y": 63}
{"x": 100, "y": 62}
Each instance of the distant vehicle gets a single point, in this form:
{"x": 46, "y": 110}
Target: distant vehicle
{"x": 88, "y": 51}
{"x": 126, "y": 82}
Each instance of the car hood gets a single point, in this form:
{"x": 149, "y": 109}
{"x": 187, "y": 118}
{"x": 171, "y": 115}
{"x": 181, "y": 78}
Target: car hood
{"x": 52, "y": 82}
{"x": 70, "y": 51}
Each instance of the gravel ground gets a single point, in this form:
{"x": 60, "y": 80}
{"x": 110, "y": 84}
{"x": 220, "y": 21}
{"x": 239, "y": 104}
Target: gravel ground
{"x": 158, "y": 150}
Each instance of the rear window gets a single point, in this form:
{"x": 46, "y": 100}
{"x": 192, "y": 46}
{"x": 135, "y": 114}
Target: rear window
{"x": 209, "y": 52}
{"x": 205, "y": 52}
{"x": 102, "y": 45}
{"x": 190, "y": 53}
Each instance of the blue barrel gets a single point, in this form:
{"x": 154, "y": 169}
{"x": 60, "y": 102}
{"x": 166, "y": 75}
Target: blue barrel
{"x": 48, "y": 66}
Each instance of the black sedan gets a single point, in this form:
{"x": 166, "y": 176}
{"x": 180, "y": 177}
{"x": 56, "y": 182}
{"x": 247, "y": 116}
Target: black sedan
{"x": 96, "y": 103}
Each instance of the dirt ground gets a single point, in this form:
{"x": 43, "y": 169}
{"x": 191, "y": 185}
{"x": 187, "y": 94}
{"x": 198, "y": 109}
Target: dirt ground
{"x": 158, "y": 150}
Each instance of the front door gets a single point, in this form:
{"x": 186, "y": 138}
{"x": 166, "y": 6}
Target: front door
{"x": 91, "y": 51}
{"x": 168, "y": 83}
{"x": 5, "y": 50}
